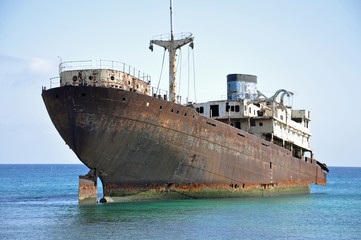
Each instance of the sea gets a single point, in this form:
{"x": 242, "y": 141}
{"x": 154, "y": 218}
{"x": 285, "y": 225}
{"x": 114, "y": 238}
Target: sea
{"x": 41, "y": 202}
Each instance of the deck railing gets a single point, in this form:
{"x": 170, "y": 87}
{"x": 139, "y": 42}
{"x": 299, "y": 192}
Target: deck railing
{"x": 103, "y": 64}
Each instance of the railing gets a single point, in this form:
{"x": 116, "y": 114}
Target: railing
{"x": 160, "y": 93}
{"x": 103, "y": 64}
{"x": 54, "y": 82}
{"x": 167, "y": 36}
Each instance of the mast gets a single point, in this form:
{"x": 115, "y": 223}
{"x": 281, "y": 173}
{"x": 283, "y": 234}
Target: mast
{"x": 171, "y": 20}
{"x": 172, "y": 45}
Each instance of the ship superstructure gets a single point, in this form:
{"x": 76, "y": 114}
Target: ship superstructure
{"x": 270, "y": 118}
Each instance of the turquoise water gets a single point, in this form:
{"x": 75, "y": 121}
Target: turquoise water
{"x": 40, "y": 202}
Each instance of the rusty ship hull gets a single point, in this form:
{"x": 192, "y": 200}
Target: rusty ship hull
{"x": 144, "y": 147}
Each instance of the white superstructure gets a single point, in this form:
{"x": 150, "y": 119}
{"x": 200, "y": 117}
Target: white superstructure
{"x": 267, "y": 118}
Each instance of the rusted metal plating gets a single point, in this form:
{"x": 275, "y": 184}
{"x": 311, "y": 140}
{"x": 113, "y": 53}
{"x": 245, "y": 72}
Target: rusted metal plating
{"x": 134, "y": 139}
{"x": 88, "y": 190}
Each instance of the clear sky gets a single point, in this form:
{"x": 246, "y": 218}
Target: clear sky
{"x": 312, "y": 48}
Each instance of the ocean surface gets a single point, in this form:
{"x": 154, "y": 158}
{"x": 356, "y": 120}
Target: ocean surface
{"x": 41, "y": 202}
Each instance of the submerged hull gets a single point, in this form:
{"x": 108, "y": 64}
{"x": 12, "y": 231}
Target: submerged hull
{"x": 147, "y": 148}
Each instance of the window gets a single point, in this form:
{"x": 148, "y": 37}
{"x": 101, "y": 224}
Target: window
{"x": 232, "y": 108}
{"x": 201, "y": 110}
{"x": 237, "y": 108}
{"x": 227, "y": 107}
{"x": 252, "y": 122}
{"x": 250, "y": 110}
{"x": 214, "y": 110}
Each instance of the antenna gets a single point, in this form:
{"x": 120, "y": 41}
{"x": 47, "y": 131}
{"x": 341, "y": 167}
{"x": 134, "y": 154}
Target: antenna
{"x": 172, "y": 45}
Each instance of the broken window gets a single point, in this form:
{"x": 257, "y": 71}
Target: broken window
{"x": 227, "y": 107}
{"x": 214, "y": 110}
{"x": 252, "y": 122}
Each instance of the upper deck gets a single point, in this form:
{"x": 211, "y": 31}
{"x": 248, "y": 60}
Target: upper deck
{"x": 102, "y": 73}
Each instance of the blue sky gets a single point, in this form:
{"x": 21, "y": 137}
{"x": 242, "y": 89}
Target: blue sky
{"x": 312, "y": 48}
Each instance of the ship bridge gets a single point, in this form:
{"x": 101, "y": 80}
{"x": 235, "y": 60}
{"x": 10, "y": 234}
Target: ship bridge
{"x": 268, "y": 118}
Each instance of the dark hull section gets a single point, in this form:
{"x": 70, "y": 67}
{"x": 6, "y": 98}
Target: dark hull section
{"x": 146, "y": 148}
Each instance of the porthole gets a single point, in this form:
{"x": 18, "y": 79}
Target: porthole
{"x": 56, "y": 96}
{"x": 124, "y": 99}
{"x": 90, "y": 77}
{"x": 160, "y": 107}
{"x": 185, "y": 114}
{"x": 112, "y": 78}
{"x": 177, "y": 111}
{"x": 75, "y": 78}
{"x": 260, "y": 124}
{"x": 172, "y": 110}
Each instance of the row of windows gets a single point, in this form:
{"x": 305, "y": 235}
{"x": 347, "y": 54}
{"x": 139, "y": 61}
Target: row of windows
{"x": 214, "y": 108}
{"x": 172, "y": 110}
{"x": 232, "y": 108}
